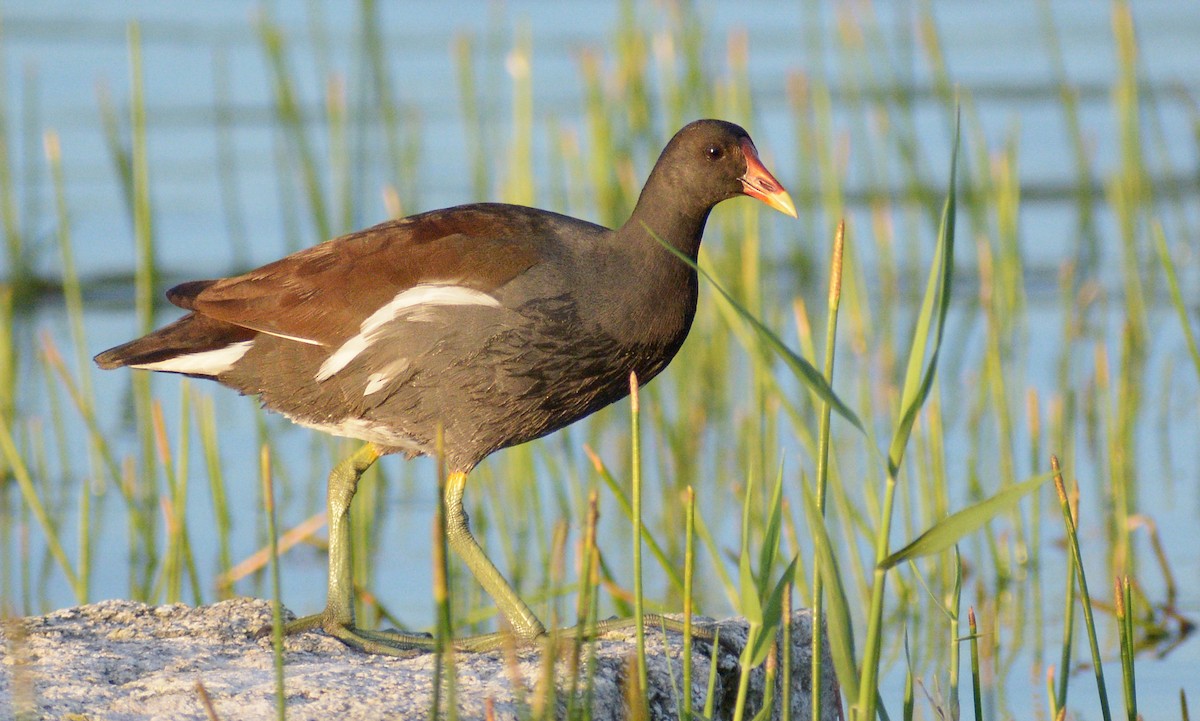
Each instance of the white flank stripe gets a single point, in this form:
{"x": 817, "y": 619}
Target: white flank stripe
{"x": 409, "y": 301}
{"x": 205, "y": 363}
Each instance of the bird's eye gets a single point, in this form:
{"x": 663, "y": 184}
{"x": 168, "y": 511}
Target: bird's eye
{"x": 714, "y": 152}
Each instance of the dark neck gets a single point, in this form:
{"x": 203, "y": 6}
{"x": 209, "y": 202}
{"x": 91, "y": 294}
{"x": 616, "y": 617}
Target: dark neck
{"x": 663, "y": 211}
{"x": 657, "y": 292}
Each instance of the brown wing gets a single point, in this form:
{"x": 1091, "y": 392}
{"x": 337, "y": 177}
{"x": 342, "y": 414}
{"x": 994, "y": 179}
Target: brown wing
{"x": 321, "y": 295}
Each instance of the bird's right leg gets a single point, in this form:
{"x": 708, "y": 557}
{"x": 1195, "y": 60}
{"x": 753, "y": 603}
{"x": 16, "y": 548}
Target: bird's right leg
{"x": 338, "y": 617}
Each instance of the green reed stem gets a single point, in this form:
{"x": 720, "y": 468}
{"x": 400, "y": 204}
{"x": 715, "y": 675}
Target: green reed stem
{"x": 268, "y": 490}
{"x": 585, "y": 602}
{"x": 1168, "y": 266}
{"x": 648, "y": 538}
{"x": 464, "y": 56}
{"x": 342, "y": 185}
{"x": 33, "y": 501}
{"x": 977, "y": 695}
{"x": 73, "y": 299}
{"x": 207, "y": 426}
{"x": 1064, "y": 663}
{"x": 145, "y": 280}
{"x": 785, "y": 661}
{"x": 289, "y": 115}
{"x": 1085, "y": 599}
{"x": 228, "y": 175}
{"x": 689, "y": 568}
{"x": 823, "y": 441}
{"x": 179, "y": 498}
{"x": 710, "y": 697}
{"x": 140, "y": 170}
{"x": 1123, "y": 602}
{"x": 954, "y": 615}
{"x": 636, "y": 481}
{"x": 443, "y": 659}
{"x": 874, "y": 643}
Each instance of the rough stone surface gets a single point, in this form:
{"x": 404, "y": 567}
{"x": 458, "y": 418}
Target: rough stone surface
{"x": 129, "y": 661}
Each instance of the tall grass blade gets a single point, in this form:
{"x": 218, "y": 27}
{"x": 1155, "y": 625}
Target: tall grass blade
{"x": 689, "y": 567}
{"x": 268, "y": 487}
{"x": 947, "y": 532}
{"x": 823, "y": 443}
{"x": 287, "y": 109}
{"x": 1123, "y": 602}
{"x": 648, "y": 538}
{"x": 1168, "y": 266}
{"x": 145, "y": 282}
{"x": 839, "y": 627}
{"x": 33, "y": 501}
{"x": 976, "y": 694}
{"x": 918, "y": 378}
{"x": 1085, "y": 598}
{"x": 443, "y": 661}
{"x": 917, "y": 384}
{"x": 803, "y": 370}
{"x": 636, "y": 476}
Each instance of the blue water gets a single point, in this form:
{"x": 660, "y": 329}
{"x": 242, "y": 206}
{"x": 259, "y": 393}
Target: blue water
{"x": 197, "y": 56}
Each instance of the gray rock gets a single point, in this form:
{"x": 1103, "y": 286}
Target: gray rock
{"x": 128, "y": 661}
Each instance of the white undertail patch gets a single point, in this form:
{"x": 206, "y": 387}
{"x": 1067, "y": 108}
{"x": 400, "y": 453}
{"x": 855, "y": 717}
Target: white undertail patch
{"x": 412, "y": 303}
{"x": 365, "y": 430}
{"x": 205, "y": 363}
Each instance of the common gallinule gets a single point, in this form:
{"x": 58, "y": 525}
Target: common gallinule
{"x": 497, "y": 323}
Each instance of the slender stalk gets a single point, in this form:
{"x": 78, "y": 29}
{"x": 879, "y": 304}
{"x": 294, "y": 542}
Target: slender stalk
{"x": 1123, "y": 602}
{"x": 1085, "y": 599}
{"x": 586, "y": 601}
{"x": 977, "y": 695}
{"x": 276, "y": 601}
{"x": 1064, "y": 663}
{"x": 146, "y": 279}
{"x": 1168, "y": 267}
{"x": 73, "y": 299}
{"x": 869, "y": 678}
{"x": 710, "y": 697}
{"x": 823, "y": 440}
{"x": 33, "y": 502}
{"x": 443, "y": 658}
{"x": 785, "y": 661}
{"x": 636, "y": 477}
{"x": 648, "y": 538}
{"x": 955, "y": 618}
{"x": 288, "y": 114}
{"x": 689, "y": 567}
{"x": 207, "y": 426}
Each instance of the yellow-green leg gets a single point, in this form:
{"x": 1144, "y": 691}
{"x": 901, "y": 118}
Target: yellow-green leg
{"x": 338, "y": 617}
{"x": 524, "y": 625}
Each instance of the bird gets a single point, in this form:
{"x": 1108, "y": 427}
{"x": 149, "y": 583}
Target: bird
{"x": 487, "y": 325}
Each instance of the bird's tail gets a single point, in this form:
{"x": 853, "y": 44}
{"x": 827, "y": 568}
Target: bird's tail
{"x": 193, "y": 345}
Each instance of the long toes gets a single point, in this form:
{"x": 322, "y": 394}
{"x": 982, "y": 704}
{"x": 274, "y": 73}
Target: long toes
{"x": 300, "y": 625}
{"x": 378, "y": 642}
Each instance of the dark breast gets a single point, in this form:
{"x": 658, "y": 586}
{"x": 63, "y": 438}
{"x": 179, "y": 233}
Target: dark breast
{"x": 528, "y": 379}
